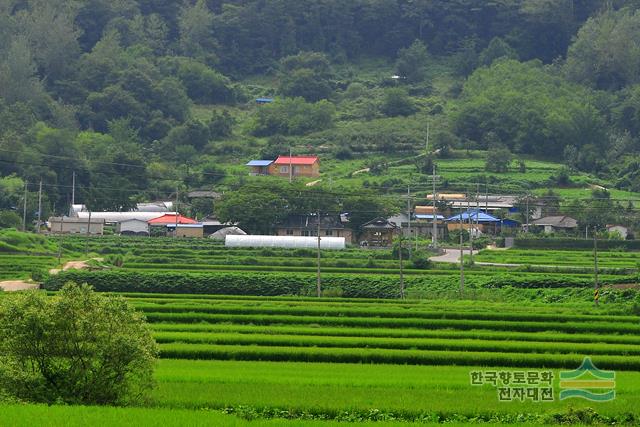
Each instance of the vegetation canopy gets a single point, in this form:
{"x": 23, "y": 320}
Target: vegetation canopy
{"x": 77, "y": 347}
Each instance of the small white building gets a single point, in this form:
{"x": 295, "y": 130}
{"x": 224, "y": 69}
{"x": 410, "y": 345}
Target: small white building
{"x": 133, "y": 227}
{"x": 623, "y": 231}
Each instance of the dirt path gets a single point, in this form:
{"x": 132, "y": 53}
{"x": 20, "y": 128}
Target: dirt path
{"x": 74, "y": 265}
{"x": 17, "y": 285}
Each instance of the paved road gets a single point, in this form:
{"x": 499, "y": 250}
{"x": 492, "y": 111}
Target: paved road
{"x": 452, "y": 256}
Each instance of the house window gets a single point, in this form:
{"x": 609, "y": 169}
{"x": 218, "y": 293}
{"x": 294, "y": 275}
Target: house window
{"x": 328, "y": 233}
{"x": 289, "y": 232}
{"x": 306, "y": 233}
{"x": 296, "y": 169}
{"x": 284, "y": 169}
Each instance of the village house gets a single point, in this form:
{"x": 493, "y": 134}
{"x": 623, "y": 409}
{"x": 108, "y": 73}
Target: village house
{"x": 285, "y": 166}
{"x": 379, "y": 232}
{"x": 71, "y": 225}
{"x": 307, "y": 225}
{"x": 554, "y": 224}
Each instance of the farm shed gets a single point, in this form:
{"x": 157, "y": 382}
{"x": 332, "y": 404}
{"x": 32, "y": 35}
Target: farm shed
{"x": 287, "y": 242}
{"x": 67, "y": 225}
{"x": 259, "y": 167}
{"x": 185, "y": 230}
{"x": 133, "y": 227}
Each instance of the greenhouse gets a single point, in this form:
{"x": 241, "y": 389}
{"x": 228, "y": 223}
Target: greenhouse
{"x": 294, "y": 242}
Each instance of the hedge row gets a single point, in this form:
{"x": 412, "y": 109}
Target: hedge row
{"x": 572, "y": 244}
{"x": 273, "y": 284}
{"x": 267, "y": 284}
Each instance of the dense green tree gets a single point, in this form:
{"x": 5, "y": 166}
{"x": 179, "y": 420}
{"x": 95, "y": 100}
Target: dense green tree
{"x": 307, "y": 74}
{"x": 396, "y": 102}
{"x": 497, "y": 49}
{"x": 293, "y": 117}
{"x": 605, "y": 52}
{"x": 412, "y": 61}
{"x": 498, "y": 159}
{"x": 77, "y": 347}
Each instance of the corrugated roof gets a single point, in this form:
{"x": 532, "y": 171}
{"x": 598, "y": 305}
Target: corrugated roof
{"x": 171, "y": 219}
{"x": 259, "y": 162}
{"x": 473, "y": 216}
{"x": 557, "y": 221}
{"x": 296, "y": 160}
{"x": 428, "y": 216}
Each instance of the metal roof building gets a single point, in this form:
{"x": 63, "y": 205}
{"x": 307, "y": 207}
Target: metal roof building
{"x": 288, "y": 242}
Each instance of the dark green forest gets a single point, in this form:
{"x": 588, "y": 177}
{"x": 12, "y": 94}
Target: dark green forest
{"x": 139, "y": 98}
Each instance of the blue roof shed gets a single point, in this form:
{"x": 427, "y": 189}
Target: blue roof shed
{"x": 260, "y": 163}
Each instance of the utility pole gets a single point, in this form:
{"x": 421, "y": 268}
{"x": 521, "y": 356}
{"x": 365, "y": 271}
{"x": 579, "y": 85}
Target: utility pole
{"x": 24, "y": 207}
{"x": 73, "y": 189}
{"x": 527, "y": 213}
{"x": 461, "y": 257}
{"x": 596, "y": 294}
{"x": 470, "y": 229}
{"x": 86, "y": 245}
{"x": 401, "y": 269}
{"x": 39, "y": 207}
{"x": 486, "y": 197}
{"x": 175, "y": 232}
{"x": 434, "y": 232}
{"x": 290, "y": 167}
{"x": 409, "y": 216}
{"x": 60, "y": 242}
{"x": 426, "y": 151}
{"x": 478, "y": 206}
{"x": 318, "y": 282}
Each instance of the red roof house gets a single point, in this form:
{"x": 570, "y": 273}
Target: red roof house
{"x": 307, "y": 166}
{"x": 171, "y": 219}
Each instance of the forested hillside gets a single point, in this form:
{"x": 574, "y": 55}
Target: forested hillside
{"x": 143, "y": 97}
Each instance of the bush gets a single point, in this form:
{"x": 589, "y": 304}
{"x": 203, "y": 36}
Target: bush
{"x": 77, "y": 347}
{"x": 420, "y": 260}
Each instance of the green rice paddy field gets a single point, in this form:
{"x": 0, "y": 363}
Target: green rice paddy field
{"x": 291, "y": 360}
{"x": 303, "y": 361}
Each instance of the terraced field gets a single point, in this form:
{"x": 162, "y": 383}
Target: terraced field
{"x": 336, "y": 359}
{"x": 606, "y": 259}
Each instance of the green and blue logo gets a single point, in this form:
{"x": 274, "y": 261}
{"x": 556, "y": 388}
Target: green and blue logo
{"x": 588, "y": 382}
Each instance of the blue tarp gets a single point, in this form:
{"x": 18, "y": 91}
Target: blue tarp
{"x": 264, "y": 100}
{"x": 474, "y": 216}
{"x": 259, "y": 162}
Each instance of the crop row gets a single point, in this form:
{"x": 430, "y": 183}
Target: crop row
{"x": 378, "y": 312}
{"x": 544, "y": 337}
{"x": 465, "y": 324}
{"x": 391, "y": 356}
{"x": 397, "y": 343}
